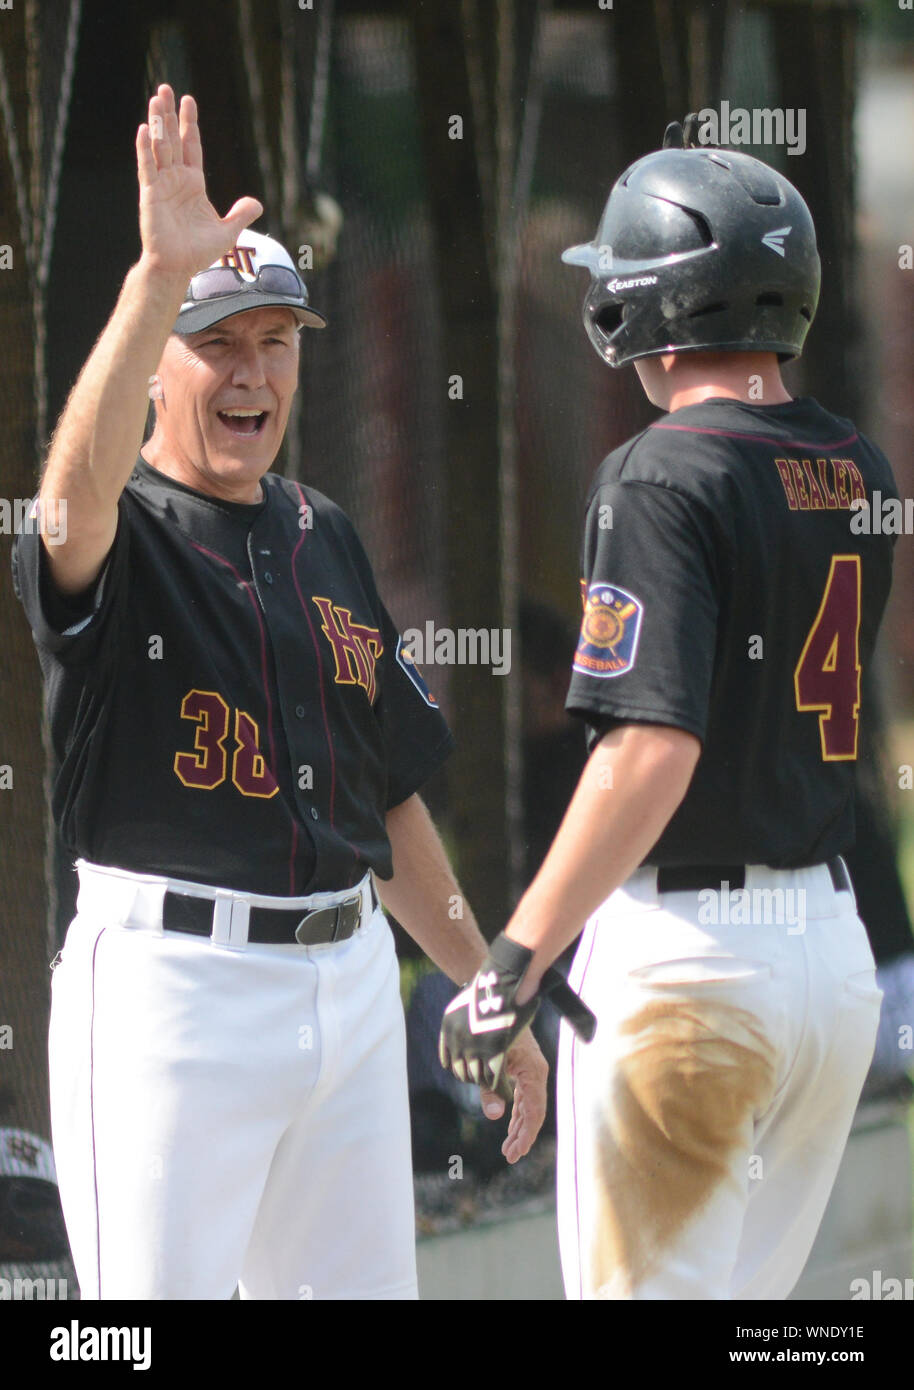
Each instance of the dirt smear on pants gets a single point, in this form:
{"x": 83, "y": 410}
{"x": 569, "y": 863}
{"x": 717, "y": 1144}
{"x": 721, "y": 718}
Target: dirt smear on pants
{"x": 695, "y": 1071}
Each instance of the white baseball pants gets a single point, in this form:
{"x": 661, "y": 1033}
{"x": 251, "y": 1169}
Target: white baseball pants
{"x": 701, "y": 1131}
{"x": 228, "y": 1116}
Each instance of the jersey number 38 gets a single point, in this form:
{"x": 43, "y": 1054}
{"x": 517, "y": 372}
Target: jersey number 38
{"x": 207, "y": 766}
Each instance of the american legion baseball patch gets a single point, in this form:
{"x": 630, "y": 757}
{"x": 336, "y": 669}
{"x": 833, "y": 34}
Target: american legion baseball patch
{"x": 609, "y": 631}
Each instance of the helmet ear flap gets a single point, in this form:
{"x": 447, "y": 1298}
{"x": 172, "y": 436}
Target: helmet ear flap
{"x": 606, "y": 320}
{"x": 610, "y": 317}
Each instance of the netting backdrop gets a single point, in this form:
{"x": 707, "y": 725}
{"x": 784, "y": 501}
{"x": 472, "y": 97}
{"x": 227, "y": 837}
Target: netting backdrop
{"x": 36, "y": 68}
{"x": 373, "y": 391}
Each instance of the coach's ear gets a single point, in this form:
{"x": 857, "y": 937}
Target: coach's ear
{"x": 155, "y": 394}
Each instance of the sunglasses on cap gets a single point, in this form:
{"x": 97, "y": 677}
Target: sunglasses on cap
{"x": 223, "y": 280}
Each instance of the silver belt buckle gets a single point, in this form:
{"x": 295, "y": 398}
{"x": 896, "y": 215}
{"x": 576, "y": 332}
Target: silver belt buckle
{"x": 355, "y": 901}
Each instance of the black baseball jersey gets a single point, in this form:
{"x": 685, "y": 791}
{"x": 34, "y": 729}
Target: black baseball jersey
{"x": 734, "y": 581}
{"x": 231, "y": 704}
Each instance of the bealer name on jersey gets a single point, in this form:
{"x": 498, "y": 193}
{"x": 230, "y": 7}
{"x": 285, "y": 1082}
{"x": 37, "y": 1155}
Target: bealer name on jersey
{"x": 822, "y": 484}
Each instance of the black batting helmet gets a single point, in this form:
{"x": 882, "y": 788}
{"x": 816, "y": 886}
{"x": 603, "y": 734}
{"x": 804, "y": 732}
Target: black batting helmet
{"x": 700, "y": 249}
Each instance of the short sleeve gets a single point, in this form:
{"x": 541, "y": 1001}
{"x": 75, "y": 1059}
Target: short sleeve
{"x": 416, "y": 736}
{"x": 650, "y": 592}
{"x": 69, "y": 627}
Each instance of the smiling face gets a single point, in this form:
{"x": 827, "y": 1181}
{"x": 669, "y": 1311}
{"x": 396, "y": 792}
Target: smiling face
{"x": 226, "y": 396}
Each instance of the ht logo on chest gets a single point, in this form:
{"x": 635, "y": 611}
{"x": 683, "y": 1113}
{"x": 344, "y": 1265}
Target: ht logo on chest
{"x": 356, "y": 647}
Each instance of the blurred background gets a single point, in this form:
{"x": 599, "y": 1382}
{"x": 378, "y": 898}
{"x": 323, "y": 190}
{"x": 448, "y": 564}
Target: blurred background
{"x": 426, "y": 161}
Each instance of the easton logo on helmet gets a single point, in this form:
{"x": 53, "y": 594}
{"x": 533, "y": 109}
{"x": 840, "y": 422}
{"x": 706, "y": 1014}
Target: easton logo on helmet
{"x": 775, "y": 240}
{"x": 614, "y": 285}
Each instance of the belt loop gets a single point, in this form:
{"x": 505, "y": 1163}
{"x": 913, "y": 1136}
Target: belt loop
{"x": 370, "y": 900}
{"x": 840, "y": 877}
{"x": 231, "y": 913}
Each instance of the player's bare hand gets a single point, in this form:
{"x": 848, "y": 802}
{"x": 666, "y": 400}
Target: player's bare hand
{"x": 180, "y": 229}
{"x": 529, "y": 1071}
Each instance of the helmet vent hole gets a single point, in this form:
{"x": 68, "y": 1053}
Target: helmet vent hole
{"x": 709, "y": 309}
{"x": 806, "y": 313}
{"x": 771, "y": 298}
{"x": 609, "y": 318}
{"x": 704, "y": 227}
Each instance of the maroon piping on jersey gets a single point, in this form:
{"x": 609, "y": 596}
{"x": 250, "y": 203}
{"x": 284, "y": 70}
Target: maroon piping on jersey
{"x": 98, "y": 1229}
{"x": 246, "y": 585}
{"x": 317, "y": 652}
{"x": 760, "y": 438}
{"x": 292, "y": 858}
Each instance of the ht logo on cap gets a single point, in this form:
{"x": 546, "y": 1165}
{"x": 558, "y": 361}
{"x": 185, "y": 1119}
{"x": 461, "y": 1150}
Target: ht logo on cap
{"x": 241, "y": 258}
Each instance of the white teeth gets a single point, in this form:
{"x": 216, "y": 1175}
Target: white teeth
{"x": 241, "y": 414}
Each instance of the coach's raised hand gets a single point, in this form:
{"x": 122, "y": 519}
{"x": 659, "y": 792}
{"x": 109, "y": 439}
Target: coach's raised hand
{"x": 97, "y": 440}
{"x": 180, "y": 229}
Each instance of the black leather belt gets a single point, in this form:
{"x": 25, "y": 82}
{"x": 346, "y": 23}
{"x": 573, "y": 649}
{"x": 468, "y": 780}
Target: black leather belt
{"x": 691, "y": 878}
{"x": 271, "y": 926}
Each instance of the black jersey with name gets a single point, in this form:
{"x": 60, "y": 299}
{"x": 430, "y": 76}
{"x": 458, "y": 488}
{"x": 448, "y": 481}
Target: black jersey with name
{"x": 733, "y": 587}
{"x": 231, "y": 704}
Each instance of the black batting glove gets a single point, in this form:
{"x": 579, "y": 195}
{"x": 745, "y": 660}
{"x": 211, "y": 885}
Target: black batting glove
{"x": 482, "y": 1022}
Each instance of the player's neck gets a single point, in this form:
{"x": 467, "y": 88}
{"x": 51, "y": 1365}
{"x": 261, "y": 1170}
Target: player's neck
{"x": 762, "y": 394}
{"x": 675, "y": 381}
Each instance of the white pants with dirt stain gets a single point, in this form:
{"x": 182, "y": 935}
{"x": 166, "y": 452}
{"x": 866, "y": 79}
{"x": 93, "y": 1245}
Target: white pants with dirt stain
{"x": 701, "y": 1131}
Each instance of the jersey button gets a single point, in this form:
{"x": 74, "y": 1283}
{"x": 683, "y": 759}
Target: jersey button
{"x": 300, "y": 711}
{"x": 267, "y": 576}
{"x": 314, "y": 813}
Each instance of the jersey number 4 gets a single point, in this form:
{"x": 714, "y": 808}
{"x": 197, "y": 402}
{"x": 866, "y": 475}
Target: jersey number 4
{"x": 827, "y": 678}
{"x": 207, "y": 766}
